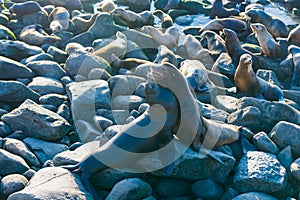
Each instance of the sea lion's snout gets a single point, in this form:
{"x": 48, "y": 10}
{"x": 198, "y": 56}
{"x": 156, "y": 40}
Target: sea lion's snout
{"x": 246, "y": 58}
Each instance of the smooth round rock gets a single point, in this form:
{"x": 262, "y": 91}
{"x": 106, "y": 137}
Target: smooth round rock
{"x": 12, "y": 183}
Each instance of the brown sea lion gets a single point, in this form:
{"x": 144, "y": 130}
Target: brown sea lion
{"x": 235, "y": 50}
{"x": 166, "y": 20}
{"x": 35, "y": 35}
{"x": 132, "y": 19}
{"x": 275, "y": 26}
{"x": 106, "y": 6}
{"x": 295, "y": 51}
{"x": 215, "y": 42}
{"x": 247, "y": 82}
{"x": 218, "y": 10}
{"x": 84, "y": 24}
{"x": 21, "y": 9}
{"x": 59, "y": 19}
{"x": 220, "y": 24}
{"x": 169, "y": 38}
{"x": 294, "y": 35}
{"x": 128, "y": 63}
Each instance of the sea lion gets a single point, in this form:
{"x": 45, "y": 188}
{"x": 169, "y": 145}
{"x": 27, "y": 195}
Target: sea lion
{"x": 267, "y": 43}
{"x": 220, "y": 24}
{"x": 295, "y": 51}
{"x": 169, "y": 38}
{"x": 59, "y": 19}
{"x": 35, "y": 35}
{"x": 73, "y": 47}
{"x": 156, "y": 134}
{"x": 107, "y": 6}
{"x": 128, "y": 63}
{"x": 294, "y": 35}
{"x": 275, "y": 26}
{"x": 247, "y": 82}
{"x": 215, "y": 42}
{"x": 166, "y": 20}
{"x": 218, "y": 10}
{"x": 68, "y": 4}
{"x": 21, "y": 9}
{"x": 235, "y": 50}
{"x": 84, "y": 24}
{"x": 132, "y": 19}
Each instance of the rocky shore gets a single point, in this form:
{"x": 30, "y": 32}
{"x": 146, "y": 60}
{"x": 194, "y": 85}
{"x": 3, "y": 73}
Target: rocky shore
{"x": 63, "y": 96}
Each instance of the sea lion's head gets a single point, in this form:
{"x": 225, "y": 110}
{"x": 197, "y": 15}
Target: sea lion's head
{"x": 257, "y": 27}
{"x": 246, "y": 61}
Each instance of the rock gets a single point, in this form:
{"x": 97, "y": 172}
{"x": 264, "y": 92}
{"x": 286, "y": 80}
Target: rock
{"x": 207, "y": 189}
{"x": 86, "y": 131}
{"x": 295, "y": 169}
{"x": 17, "y": 147}
{"x": 230, "y": 194}
{"x": 116, "y": 116}
{"x": 29, "y": 174}
{"x": 254, "y": 195}
{"x": 224, "y": 65}
{"x": 102, "y": 123}
{"x": 12, "y": 183}
{"x": 226, "y": 103}
{"x": 53, "y": 99}
{"x": 44, "y": 150}
{"x": 167, "y": 187}
{"x": 98, "y": 73}
{"x": 15, "y": 91}
{"x": 47, "y": 68}
{"x": 4, "y": 130}
{"x": 269, "y": 76}
{"x": 59, "y": 56}
{"x": 220, "y": 79}
{"x": 264, "y": 143}
{"x": 127, "y": 102}
{"x": 46, "y": 85}
{"x": 184, "y": 20}
{"x": 124, "y": 84}
{"x": 285, "y": 157}
{"x": 38, "y": 57}
{"x": 53, "y": 183}
{"x": 293, "y": 95}
{"x": 11, "y": 69}
{"x": 81, "y": 63}
{"x": 85, "y": 39}
{"x": 112, "y": 131}
{"x": 86, "y": 97}
{"x": 211, "y": 112}
{"x": 64, "y": 111}
{"x": 39, "y": 17}
{"x": 6, "y": 33}
{"x": 261, "y": 172}
{"x": 36, "y": 121}
{"x": 286, "y": 134}
{"x": 133, "y": 188}
{"x": 143, "y": 107}
{"x": 11, "y": 164}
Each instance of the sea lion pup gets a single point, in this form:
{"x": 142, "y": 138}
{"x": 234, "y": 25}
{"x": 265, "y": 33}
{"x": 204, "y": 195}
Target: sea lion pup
{"x": 21, "y": 9}
{"x": 218, "y": 10}
{"x": 59, "y": 19}
{"x": 166, "y": 20}
{"x": 169, "y": 38}
{"x": 220, "y": 24}
{"x": 132, "y": 19}
{"x": 294, "y": 35}
{"x": 106, "y": 6}
{"x": 215, "y": 42}
{"x": 195, "y": 51}
{"x": 74, "y": 46}
{"x": 128, "y": 63}
{"x": 84, "y": 24}
{"x": 267, "y": 43}
{"x": 35, "y": 35}
{"x": 295, "y": 51}
{"x": 117, "y": 47}
{"x": 247, "y": 82}
{"x": 276, "y": 27}
{"x": 235, "y": 50}
{"x": 156, "y": 125}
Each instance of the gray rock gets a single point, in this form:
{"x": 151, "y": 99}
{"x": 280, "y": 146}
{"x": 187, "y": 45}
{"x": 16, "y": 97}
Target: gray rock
{"x": 11, "y": 164}
{"x": 254, "y": 195}
{"x": 36, "y": 121}
{"x": 29, "y": 174}
{"x": 211, "y": 112}
{"x": 15, "y": 91}
{"x": 285, "y": 157}
{"x": 47, "y": 68}
{"x": 44, "y": 150}
{"x": 127, "y": 102}
{"x": 269, "y": 76}
{"x": 124, "y": 84}
{"x": 53, "y": 99}
{"x": 102, "y": 123}
{"x": 167, "y": 187}
{"x": 4, "y": 130}
{"x": 17, "y": 147}
{"x": 112, "y": 131}
{"x": 46, "y": 85}
{"x": 86, "y": 131}
{"x": 247, "y": 146}
{"x": 40, "y": 17}
{"x": 81, "y": 63}
{"x": 133, "y": 188}
{"x": 207, "y": 189}
{"x": 264, "y": 143}
{"x": 12, "y": 183}
{"x": 230, "y": 194}
{"x": 223, "y": 65}
{"x": 53, "y": 183}
{"x": 59, "y": 55}
{"x": 220, "y": 79}
{"x": 184, "y": 20}
{"x": 64, "y": 111}
{"x": 226, "y": 103}
{"x": 11, "y": 69}
{"x": 2, "y": 112}
{"x": 98, "y": 73}
{"x": 261, "y": 172}
{"x": 286, "y": 134}
{"x": 295, "y": 169}
{"x": 116, "y": 116}
{"x": 143, "y": 107}
{"x": 38, "y": 57}
{"x": 88, "y": 96}
{"x": 293, "y": 95}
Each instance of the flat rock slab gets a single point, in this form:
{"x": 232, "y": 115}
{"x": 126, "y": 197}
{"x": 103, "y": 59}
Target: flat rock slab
{"x": 261, "y": 172}
{"x": 47, "y": 68}
{"x": 11, "y": 69}
{"x": 53, "y": 183}
{"x": 36, "y": 121}
{"x": 226, "y": 103}
{"x": 46, "y": 85}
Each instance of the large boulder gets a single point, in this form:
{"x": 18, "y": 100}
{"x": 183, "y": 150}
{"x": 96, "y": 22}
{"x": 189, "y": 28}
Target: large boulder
{"x": 11, "y": 164}
{"x": 11, "y": 69}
